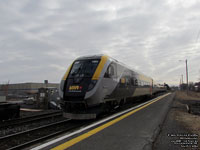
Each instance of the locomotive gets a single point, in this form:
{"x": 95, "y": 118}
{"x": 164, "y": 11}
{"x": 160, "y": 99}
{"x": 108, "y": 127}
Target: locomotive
{"x": 99, "y": 83}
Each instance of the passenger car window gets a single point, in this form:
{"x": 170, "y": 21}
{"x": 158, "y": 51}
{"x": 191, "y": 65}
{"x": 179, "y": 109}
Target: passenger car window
{"x": 132, "y": 81}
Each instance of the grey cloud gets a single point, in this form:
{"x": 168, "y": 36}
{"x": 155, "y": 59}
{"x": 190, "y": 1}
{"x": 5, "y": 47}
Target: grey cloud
{"x": 40, "y": 39}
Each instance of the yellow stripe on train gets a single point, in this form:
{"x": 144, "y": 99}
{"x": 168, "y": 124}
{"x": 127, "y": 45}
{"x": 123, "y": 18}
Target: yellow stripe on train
{"x": 67, "y": 72}
{"x": 100, "y": 67}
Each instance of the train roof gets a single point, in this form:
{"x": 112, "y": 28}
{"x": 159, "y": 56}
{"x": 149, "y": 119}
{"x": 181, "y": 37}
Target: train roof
{"x": 136, "y": 71}
{"x": 96, "y": 57}
{"x": 111, "y": 59}
{"x": 90, "y": 57}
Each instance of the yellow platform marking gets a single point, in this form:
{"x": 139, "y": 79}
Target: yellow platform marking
{"x": 96, "y": 130}
{"x": 100, "y": 67}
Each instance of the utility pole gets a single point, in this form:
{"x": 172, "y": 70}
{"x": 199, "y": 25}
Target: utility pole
{"x": 182, "y": 79}
{"x": 181, "y": 83}
{"x": 186, "y": 66}
{"x": 186, "y": 74}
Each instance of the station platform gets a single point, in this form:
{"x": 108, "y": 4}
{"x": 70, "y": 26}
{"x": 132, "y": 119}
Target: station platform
{"x": 133, "y": 130}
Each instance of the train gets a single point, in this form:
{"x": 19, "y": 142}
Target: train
{"x": 99, "y": 83}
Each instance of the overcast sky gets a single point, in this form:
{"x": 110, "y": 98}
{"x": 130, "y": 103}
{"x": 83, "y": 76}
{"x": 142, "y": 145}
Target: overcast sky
{"x": 39, "y": 39}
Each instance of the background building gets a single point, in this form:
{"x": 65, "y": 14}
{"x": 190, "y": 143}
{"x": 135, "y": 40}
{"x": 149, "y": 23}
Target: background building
{"x": 24, "y": 89}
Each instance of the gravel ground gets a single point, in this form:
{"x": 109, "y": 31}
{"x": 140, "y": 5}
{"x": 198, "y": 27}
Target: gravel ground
{"x": 23, "y": 114}
{"x": 33, "y": 113}
{"x": 180, "y": 130}
{"x": 13, "y": 141}
{"x": 19, "y": 128}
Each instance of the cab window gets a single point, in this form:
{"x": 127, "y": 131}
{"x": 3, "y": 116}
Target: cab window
{"x": 110, "y": 71}
{"x": 83, "y": 68}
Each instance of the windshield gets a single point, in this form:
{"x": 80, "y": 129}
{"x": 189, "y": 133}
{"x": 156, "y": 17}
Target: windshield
{"x": 83, "y": 68}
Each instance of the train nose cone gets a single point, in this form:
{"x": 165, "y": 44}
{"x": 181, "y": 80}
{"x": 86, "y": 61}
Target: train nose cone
{"x": 77, "y": 80}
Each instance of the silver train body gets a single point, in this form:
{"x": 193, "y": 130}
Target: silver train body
{"x": 94, "y": 84}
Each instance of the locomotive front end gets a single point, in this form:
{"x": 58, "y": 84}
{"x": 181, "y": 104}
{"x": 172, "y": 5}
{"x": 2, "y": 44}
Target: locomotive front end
{"x": 79, "y": 80}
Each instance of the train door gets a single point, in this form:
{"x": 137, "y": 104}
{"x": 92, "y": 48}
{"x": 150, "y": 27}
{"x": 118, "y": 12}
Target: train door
{"x": 110, "y": 79}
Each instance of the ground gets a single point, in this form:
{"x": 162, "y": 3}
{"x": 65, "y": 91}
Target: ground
{"x": 180, "y": 130}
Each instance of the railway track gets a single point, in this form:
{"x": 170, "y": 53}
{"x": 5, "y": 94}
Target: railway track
{"x": 26, "y": 138}
{"x": 30, "y": 119}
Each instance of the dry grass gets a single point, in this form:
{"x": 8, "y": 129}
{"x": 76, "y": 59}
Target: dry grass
{"x": 182, "y": 95}
{"x": 189, "y": 121}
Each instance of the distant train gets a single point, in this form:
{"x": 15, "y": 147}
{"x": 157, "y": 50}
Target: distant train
{"x": 95, "y": 84}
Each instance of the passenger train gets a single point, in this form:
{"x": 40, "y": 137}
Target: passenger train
{"x": 96, "y": 84}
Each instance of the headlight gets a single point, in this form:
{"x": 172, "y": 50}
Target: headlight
{"x": 92, "y": 84}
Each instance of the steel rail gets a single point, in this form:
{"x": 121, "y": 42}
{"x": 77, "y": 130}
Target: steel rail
{"x": 29, "y": 119}
{"x": 34, "y": 129}
{"x": 35, "y": 141}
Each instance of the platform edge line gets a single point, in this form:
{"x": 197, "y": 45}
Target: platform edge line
{"x": 98, "y": 129}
